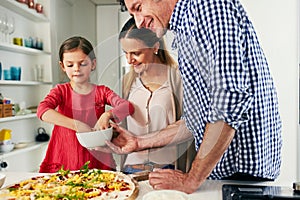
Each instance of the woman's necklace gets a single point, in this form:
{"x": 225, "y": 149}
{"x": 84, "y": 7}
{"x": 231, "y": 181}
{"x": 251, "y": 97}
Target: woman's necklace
{"x": 152, "y": 83}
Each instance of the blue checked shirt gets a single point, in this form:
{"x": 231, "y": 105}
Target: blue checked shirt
{"x": 226, "y": 77}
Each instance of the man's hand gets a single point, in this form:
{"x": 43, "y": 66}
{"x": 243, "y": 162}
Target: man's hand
{"x": 124, "y": 143}
{"x": 172, "y": 180}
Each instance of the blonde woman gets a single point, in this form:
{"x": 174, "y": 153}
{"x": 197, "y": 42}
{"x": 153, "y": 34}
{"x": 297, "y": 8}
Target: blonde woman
{"x": 154, "y": 87}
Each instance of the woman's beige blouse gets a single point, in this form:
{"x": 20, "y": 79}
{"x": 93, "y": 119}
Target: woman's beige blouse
{"x": 153, "y": 111}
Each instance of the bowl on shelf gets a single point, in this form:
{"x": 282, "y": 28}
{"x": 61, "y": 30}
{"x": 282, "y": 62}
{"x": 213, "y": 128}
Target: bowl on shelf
{"x": 94, "y": 138}
{"x": 20, "y": 145}
{"x": 4, "y": 148}
{"x": 2, "y": 179}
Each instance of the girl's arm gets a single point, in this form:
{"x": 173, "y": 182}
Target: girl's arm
{"x": 103, "y": 121}
{"x": 54, "y": 117}
{"x": 47, "y": 110}
{"x": 121, "y": 108}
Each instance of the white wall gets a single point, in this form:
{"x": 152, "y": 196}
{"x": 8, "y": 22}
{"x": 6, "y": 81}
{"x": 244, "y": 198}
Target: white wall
{"x": 276, "y": 22}
{"x": 70, "y": 18}
{"x": 108, "y": 55}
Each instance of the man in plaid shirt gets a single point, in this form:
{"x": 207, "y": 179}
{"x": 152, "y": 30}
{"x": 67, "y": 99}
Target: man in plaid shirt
{"x": 230, "y": 101}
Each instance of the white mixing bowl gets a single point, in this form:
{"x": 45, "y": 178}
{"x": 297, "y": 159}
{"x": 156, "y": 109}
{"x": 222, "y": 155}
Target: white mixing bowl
{"x": 2, "y": 179}
{"x": 4, "y": 148}
{"x": 165, "y": 195}
{"x": 94, "y": 138}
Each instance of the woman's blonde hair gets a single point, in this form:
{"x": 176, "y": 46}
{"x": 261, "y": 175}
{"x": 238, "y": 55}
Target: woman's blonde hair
{"x": 149, "y": 38}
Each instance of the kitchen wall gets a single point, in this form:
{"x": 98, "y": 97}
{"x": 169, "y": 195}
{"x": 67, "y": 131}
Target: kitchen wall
{"x": 276, "y": 22}
{"x": 72, "y": 17}
{"x": 108, "y": 59}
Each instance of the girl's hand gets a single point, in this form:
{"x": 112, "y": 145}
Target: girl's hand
{"x": 103, "y": 121}
{"x": 81, "y": 127}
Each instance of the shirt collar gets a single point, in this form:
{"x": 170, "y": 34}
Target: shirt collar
{"x": 178, "y": 14}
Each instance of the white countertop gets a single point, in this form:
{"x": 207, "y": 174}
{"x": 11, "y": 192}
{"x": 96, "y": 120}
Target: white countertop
{"x": 210, "y": 188}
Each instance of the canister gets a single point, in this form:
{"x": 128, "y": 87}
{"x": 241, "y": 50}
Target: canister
{"x": 18, "y": 41}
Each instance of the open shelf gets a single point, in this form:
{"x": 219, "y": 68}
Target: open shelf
{"x": 21, "y": 49}
{"x": 19, "y": 117}
{"x": 29, "y": 83}
{"x": 30, "y": 147}
{"x": 23, "y": 10}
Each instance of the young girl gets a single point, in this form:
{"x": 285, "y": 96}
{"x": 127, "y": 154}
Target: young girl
{"x": 78, "y": 106}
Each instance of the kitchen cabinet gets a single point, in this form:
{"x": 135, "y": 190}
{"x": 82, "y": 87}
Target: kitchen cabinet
{"x": 27, "y": 23}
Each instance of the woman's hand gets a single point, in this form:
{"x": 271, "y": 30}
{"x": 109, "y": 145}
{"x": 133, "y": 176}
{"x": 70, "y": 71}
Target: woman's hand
{"x": 124, "y": 143}
{"x": 103, "y": 121}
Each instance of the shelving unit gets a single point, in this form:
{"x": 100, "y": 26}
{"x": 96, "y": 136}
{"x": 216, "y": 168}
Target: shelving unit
{"x": 24, "y": 83}
{"x": 23, "y": 10}
{"x": 20, "y": 117}
{"x": 30, "y": 147}
{"x": 22, "y": 49}
{"x": 24, "y": 127}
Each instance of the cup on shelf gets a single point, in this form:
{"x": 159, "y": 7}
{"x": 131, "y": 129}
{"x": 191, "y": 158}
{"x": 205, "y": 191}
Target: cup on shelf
{"x": 18, "y": 41}
{"x": 39, "y": 44}
{"x": 6, "y": 74}
{"x": 34, "y": 42}
{"x": 39, "y": 8}
{"x": 3, "y": 27}
{"x": 28, "y": 42}
{"x": 31, "y": 4}
{"x": 10, "y": 28}
{"x": 15, "y": 72}
{"x": 38, "y": 72}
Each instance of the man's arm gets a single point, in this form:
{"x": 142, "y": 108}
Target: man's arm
{"x": 173, "y": 134}
{"x": 217, "y": 138}
{"x": 127, "y": 142}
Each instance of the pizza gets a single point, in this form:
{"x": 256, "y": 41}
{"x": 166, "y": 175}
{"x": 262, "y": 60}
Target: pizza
{"x": 85, "y": 184}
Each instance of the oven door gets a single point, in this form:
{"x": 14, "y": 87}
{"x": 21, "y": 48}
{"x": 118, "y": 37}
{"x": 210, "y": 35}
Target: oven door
{"x": 257, "y": 192}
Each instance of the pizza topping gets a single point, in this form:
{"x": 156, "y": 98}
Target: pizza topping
{"x": 66, "y": 185}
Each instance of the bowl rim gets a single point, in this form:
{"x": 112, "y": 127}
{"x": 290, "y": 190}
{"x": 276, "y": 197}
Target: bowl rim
{"x": 165, "y": 191}
{"x": 2, "y": 175}
{"x": 105, "y": 131}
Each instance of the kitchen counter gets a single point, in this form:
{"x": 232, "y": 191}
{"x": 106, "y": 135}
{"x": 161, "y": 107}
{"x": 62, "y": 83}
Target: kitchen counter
{"x": 210, "y": 188}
